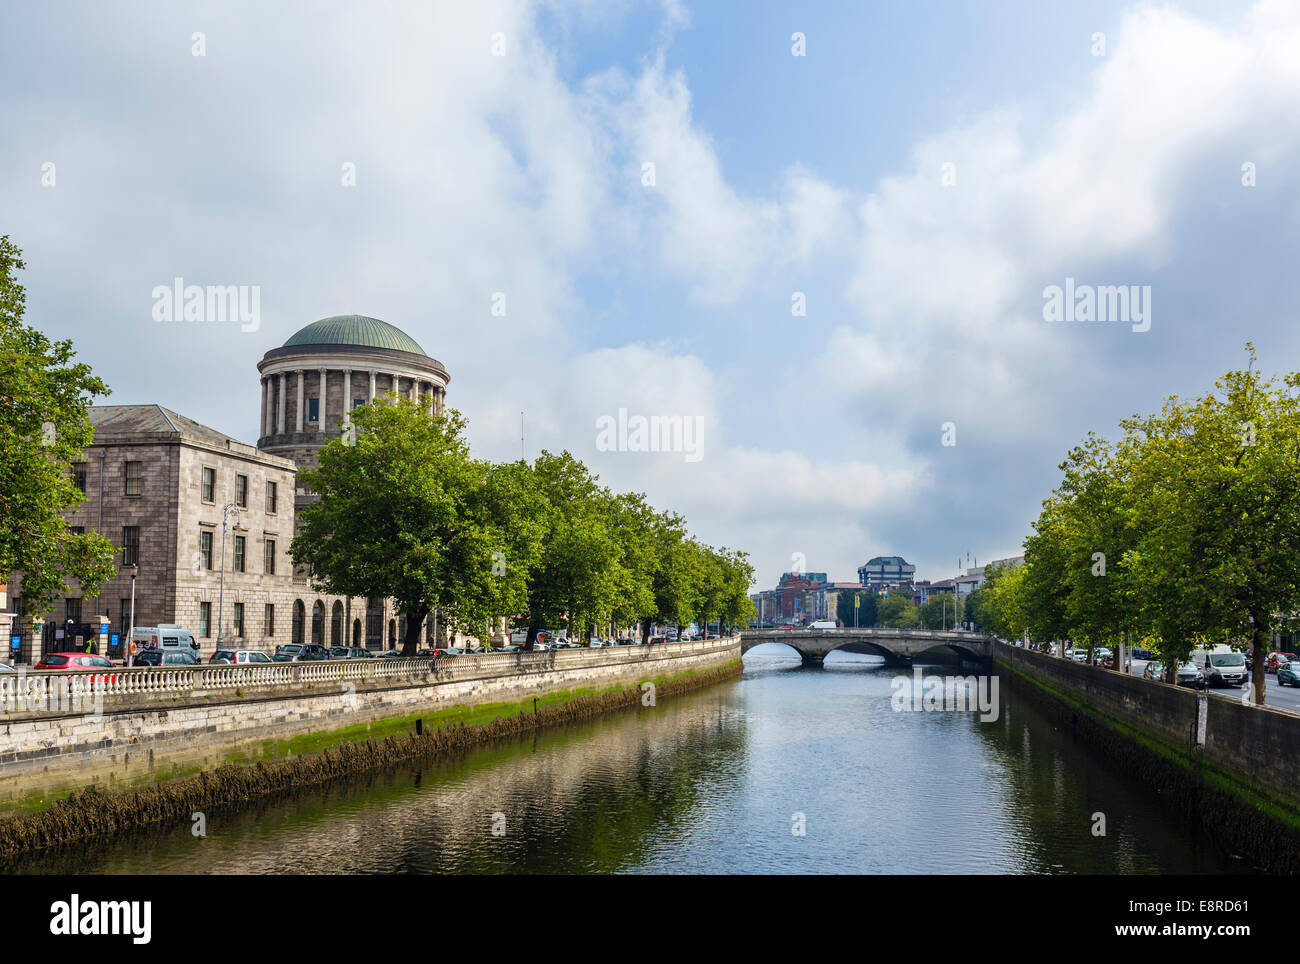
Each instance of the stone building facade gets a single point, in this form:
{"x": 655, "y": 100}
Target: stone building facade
{"x": 174, "y": 496}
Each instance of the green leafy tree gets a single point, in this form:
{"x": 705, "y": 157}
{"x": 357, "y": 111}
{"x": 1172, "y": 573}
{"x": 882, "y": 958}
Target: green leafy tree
{"x": 897, "y": 611}
{"x": 45, "y": 399}
{"x": 403, "y": 511}
{"x": 577, "y": 577}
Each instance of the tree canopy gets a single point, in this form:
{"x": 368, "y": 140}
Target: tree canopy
{"x": 1184, "y": 533}
{"x": 404, "y": 511}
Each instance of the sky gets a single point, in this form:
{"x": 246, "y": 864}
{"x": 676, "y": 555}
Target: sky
{"x": 820, "y": 232}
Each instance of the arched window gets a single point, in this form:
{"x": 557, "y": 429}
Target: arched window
{"x": 392, "y": 634}
{"x": 336, "y": 625}
{"x": 318, "y": 623}
{"x": 356, "y": 633}
{"x": 299, "y": 616}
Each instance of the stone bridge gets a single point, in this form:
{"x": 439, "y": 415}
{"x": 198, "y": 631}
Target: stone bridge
{"x": 897, "y": 646}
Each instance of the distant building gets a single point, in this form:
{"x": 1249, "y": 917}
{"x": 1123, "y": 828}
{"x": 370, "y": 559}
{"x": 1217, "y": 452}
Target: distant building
{"x": 886, "y": 571}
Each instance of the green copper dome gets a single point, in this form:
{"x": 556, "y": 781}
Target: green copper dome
{"x": 355, "y": 330}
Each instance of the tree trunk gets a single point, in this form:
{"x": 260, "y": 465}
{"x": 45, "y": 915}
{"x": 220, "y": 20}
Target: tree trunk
{"x": 531, "y": 641}
{"x": 411, "y": 638}
{"x": 645, "y": 630}
{"x": 1258, "y": 672}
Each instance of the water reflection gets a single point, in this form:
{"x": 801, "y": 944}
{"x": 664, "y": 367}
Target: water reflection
{"x": 718, "y": 781}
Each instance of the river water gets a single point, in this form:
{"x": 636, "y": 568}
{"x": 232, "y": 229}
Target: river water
{"x": 786, "y": 770}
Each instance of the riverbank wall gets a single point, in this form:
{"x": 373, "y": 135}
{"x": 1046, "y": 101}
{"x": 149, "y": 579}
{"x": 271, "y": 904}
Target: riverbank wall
{"x": 137, "y": 726}
{"x": 1231, "y": 768}
{"x": 98, "y": 812}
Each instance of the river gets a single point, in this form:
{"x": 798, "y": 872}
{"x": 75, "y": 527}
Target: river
{"x": 786, "y": 770}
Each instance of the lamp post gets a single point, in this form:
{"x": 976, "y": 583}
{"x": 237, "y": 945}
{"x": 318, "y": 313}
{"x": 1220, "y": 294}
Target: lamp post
{"x": 221, "y": 593}
{"x": 130, "y": 633}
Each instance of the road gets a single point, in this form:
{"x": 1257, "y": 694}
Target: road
{"x": 1283, "y": 697}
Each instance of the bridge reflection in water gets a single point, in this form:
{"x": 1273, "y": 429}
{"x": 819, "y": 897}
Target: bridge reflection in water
{"x": 898, "y": 646}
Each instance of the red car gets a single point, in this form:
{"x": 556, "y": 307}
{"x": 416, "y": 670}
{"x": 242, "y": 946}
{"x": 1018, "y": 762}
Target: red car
{"x": 73, "y": 661}
{"x": 1274, "y": 661}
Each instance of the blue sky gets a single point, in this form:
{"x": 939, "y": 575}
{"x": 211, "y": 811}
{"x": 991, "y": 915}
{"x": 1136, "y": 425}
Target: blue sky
{"x": 775, "y": 175}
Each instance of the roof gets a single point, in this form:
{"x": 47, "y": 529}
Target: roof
{"x": 115, "y": 421}
{"x": 354, "y": 330}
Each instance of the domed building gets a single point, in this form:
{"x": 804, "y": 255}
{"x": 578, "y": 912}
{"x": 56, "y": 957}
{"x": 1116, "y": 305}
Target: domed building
{"x": 329, "y": 368}
{"x": 323, "y": 371}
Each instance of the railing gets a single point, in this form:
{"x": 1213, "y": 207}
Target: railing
{"x": 866, "y": 631}
{"x": 87, "y": 690}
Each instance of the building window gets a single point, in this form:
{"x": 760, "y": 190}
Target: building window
{"x": 241, "y": 491}
{"x": 313, "y": 409}
{"x": 205, "y": 619}
{"x": 270, "y": 497}
{"x": 74, "y": 610}
{"x": 268, "y": 620}
{"x": 124, "y": 613}
{"x": 133, "y": 482}
{"x": 239, "y": 620}
{"x": 270, "y": 557}
{"x": 130, "y": 545}
{"x": 77, "y": 530}
{"x": 358, "y": 402}
{"x": 209, "y": 486}
{"x": 239, "y": 554}
{"x": 205, "y": 548}
{"x": 79, "y": 475}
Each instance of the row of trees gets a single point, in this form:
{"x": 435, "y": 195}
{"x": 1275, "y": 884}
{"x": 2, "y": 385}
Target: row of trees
{"x": 404, "y": 511}
{"x": 1184, "y": 533}
{"x": 897, "y": 611}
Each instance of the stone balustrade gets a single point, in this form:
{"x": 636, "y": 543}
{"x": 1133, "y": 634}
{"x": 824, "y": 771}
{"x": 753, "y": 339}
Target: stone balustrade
{"x": 28, "y": 694}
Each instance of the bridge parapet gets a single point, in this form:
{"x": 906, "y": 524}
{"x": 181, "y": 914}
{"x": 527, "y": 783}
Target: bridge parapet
{"x": 896, "y": 645}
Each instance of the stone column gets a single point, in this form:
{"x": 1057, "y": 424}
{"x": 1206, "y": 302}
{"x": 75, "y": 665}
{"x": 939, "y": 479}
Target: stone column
{"x": 397, "y": 381}
{"x": 347, "y": 404}
{"x": 302, "y": 389}
{"x": 321, "y": 421}
{"x": 280, "y": 407}
{"x": 415, "y": 390}
{"x": 372, "y": 384}
{"x": 266, "y": 406}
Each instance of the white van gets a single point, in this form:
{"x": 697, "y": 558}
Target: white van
{"x": 1222, "y": 666}
{"x": 822, "y": 624}
{"x": 167, "y": 637}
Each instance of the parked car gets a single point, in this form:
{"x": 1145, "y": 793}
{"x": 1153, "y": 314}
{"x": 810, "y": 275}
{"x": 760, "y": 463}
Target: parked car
{"x": 6, "y": 668}
{"x": 1274, "y": 661}
{"x": 1154, "y": 670}
{"x": 299, "y": 653}
{"x": 1225, "y": 669}
{"x": 162, "y": 657}
{"x": 232, "y": 656}
{"x": 350, "y": 652}
{"x": 510, "y": 648}
{"x": 73, "y": 661}
{"x": 1189, "y": 675}
{"x": 1143, "y": 654}
{"x": 390, "y": 654}
{"x": 1288, "y": 674}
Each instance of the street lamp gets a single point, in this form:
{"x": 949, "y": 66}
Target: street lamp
{"x": 221, "y": 594}
{"x": 130, "y": 633}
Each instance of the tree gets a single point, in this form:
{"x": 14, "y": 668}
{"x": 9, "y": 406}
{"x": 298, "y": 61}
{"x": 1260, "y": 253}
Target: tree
{"x": 897, "y": 612}
{"x": 578, "y": 575}
{"x": 403, "y": 511}
{"x": 866, "y": 615}
{"x": 45, "y": 426}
